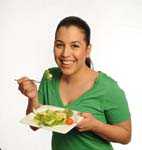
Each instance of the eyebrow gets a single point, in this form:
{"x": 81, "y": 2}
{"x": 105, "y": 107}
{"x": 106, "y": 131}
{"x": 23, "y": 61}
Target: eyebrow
{"x": 76, "y": 42}
{"x": 58, "y": 41}
{"x": 71, "y": 42}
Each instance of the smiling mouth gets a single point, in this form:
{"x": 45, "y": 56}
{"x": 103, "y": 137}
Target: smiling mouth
{"x": 67, "y": 63}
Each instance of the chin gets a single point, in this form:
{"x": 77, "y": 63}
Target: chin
{"x": 68, "y": 72}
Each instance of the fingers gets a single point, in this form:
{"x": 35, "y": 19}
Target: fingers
{"x": 81, "y": 129}
{"x": 19, "y": 81}
{"x": 80, "y": 124}
{"x": 27, "y": 87}
{"x": 84, "y": 115}
{"x": 86, "y": 123}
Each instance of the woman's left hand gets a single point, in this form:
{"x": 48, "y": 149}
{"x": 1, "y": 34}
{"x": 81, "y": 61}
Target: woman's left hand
{"x": 88, "y": 123}
{"x": 120, "y": 132}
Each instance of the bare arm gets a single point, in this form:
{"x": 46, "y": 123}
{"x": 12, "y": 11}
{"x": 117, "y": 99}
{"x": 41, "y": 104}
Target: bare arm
{"x": 120, "y": 133}
{"x": 32, "y": 104}
{"x": 29, "y": 89}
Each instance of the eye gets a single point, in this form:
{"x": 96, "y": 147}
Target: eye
{"x": 59, "y": 45}
{"x": 74, "y": 46}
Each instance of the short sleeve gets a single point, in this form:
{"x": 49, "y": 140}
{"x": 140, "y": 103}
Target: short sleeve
{"x": 46, "y": 91}
{"x": 116, "y": 106}
{"x": 43, "y": 90}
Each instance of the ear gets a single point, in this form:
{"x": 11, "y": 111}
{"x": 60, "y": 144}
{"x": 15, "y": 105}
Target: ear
{"x": 88, "y": 50}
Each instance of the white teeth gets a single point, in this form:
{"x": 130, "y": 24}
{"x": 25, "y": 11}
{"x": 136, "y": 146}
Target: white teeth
{"x": 67, "y": 62}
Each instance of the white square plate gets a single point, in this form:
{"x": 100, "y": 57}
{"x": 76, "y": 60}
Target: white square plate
{"x": 58, "y": 128}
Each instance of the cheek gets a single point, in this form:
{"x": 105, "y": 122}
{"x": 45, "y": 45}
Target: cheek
{"x": 57, "y": 53}
{"x": 81, "y": 55}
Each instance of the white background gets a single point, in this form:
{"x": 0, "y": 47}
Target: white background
{"x": 26, "y": 48}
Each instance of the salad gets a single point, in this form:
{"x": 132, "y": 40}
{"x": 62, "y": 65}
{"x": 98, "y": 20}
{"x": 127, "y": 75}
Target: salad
{"x": 48, "y": 75}
{"x": 54, "y": 117}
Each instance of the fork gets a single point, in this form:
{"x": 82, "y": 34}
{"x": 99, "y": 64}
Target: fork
{"x": 35, "y": 81}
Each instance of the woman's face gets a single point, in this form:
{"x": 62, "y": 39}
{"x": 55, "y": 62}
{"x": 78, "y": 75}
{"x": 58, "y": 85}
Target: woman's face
{"x": 70, "y": 49}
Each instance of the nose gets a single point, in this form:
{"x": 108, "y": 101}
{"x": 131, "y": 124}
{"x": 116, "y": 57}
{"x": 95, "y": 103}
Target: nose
{"x": 66, "y": 51}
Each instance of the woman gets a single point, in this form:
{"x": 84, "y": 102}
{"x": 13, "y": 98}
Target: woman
{"x": 76, "y": 86}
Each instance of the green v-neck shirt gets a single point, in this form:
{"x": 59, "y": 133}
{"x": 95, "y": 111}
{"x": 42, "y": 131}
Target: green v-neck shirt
{"x": 106, "y": 101}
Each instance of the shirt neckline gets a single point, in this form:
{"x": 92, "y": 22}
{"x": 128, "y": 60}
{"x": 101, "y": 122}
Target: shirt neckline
{"x": 81, "y": 96}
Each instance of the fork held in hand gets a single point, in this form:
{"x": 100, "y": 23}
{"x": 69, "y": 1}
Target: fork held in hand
{"x": 35, "y": 81}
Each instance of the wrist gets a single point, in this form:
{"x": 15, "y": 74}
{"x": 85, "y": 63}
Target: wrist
{"x": 33, "y": 102}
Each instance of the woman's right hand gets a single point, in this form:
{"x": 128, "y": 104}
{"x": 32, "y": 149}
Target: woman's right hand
{"x": 27, "y": 87}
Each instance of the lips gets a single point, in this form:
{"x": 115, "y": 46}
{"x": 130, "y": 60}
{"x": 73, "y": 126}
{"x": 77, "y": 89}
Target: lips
{"x": 67, "y": 63}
